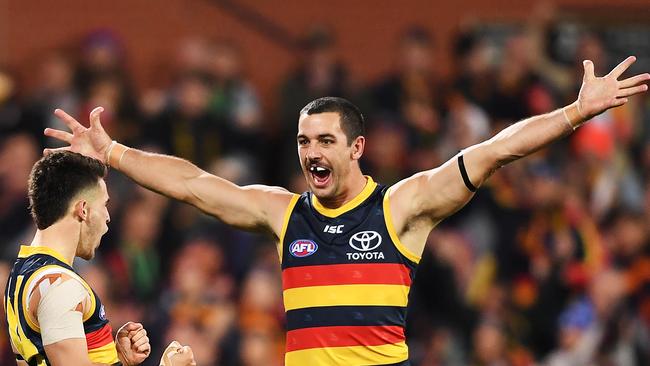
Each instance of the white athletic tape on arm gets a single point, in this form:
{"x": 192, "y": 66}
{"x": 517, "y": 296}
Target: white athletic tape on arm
{"x": 573, "y": 116}
{"x": 56, "y": 312}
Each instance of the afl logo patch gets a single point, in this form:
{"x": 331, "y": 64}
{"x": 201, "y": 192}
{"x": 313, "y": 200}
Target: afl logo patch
{"x": 303, "y": 248}
{"x": 365, "y": 240}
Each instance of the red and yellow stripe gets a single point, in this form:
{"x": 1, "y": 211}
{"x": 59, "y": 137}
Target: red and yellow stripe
{"x": 374, "y": 284}
{"x": 349, "y": 274}
{"x": 346, "y": 295}
{"x": 106, "y": 354}
{"x": 385, "y": 284}
{"x": 349, "y": 356}
{"x": 100, "y": 337}
{"x": 101, "y": 348}
{"x": 342, "y": 336}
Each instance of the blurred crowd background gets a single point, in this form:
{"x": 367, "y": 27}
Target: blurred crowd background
{"x": 549, "y": 264}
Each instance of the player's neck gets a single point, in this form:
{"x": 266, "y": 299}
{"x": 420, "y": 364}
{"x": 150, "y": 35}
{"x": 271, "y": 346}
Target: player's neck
{"x": 61, "y": 236}
{"x": 355, "y": 183}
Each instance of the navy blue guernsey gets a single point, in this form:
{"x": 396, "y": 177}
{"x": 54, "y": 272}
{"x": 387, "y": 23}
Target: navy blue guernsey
{"x": 33, "y": 267}
{"x": 346, "y": 279}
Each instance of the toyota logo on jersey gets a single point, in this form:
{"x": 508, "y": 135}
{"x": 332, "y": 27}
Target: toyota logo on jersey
{"x": 365, "y": 240}
{"x": 303, "y": 248}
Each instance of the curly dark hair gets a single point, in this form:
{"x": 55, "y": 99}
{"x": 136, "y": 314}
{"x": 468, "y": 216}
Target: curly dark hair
{"x": 56, "y": 179}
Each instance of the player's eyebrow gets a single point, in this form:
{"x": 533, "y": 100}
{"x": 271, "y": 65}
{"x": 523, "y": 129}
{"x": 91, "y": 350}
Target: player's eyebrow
{"x": 321, "y": 136}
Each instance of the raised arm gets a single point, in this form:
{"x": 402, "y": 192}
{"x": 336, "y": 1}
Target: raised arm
{"x": 430, "y": 196}
{"x": 253, "y": 207}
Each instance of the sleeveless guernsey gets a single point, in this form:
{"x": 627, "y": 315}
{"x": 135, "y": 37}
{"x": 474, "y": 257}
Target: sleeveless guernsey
{"x": 34, "y": 263}
{"x": 346, "y": 279}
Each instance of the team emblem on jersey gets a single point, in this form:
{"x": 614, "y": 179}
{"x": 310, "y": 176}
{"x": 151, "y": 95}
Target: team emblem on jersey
{"x": 303, "y": 248}
{"x": 365, "y": 241}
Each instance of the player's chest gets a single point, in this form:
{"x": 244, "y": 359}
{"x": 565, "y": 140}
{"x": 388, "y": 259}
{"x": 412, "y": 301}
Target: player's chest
{"x": 337, "y": 241}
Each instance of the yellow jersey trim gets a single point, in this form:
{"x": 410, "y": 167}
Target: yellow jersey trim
{"x": 27, "y": 250}
{"x": 285, "y": 223}
{"x": 393, "y": 233}
{"x": 356, "y": 201}
{"x": 349, "y": 356}
{"x": 19, "y": 340}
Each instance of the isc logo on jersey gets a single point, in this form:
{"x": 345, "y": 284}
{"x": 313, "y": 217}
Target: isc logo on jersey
{"x": 302, "y": 248}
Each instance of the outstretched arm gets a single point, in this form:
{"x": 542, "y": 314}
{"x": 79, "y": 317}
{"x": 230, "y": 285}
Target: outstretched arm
{"x": 430, "y": 196}
{"x": 251, "y": 207}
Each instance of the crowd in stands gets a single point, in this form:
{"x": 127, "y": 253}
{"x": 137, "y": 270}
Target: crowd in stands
{"x": 549, "y": 264}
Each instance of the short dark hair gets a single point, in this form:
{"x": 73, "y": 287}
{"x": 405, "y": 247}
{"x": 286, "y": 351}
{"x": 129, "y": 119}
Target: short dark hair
{"x": 54, "y": 182}
{"x": 352, "y": 122}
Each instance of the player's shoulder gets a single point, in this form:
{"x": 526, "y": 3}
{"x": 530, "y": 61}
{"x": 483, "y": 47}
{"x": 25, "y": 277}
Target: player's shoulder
{"x": 51, "y": 284}
{"x": 273, "y": 195}
{"x": 269, "y": 189}
{"x": 47, "y": 276}
{"x": 54, "y": 272}
{"x": 406, "y": 187}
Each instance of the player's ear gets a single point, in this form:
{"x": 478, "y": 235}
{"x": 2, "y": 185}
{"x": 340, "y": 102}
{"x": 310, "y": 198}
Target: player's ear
{"x": 80, "y": 210}
{"x": 357, "y": 147}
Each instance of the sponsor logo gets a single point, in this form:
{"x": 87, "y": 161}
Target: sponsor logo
{"x": 102, "y": 313}
{"x": 302, "y": 248}
{"x": 333, "y": 229}
{"x": 365, "y": 255}
{"x": 365, "y": 241}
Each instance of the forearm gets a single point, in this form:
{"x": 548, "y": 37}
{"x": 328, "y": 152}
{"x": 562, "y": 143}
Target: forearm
{"x": 527, "y": 136}
{"x": 161, "y": 173}
{"x": 250, "y": 207}
{"x": 518, "y": 140}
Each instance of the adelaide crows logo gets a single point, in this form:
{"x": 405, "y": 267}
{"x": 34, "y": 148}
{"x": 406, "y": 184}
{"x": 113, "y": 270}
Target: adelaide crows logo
{"x": 303, "y": 248}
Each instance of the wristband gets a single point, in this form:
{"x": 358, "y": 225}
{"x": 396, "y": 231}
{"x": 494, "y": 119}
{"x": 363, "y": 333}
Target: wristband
{"x": 573, "y": 116}
{"x": 463, "y": 173}
{"x": 115, "y": 155}
{"x": 107, "y": 154}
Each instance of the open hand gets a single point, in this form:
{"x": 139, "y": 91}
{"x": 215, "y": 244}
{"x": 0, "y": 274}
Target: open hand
{"x": 91, "y": 142}
{"x": 598, "y": 94}
{"x": 132, "y": 344}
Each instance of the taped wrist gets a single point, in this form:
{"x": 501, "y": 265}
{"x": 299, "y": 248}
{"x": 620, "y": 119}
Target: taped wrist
{"x": 115, "y": 155}
{"x": 573, "y": 115}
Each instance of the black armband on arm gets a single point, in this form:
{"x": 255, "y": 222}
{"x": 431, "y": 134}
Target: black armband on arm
{"x": 463, "y": 173}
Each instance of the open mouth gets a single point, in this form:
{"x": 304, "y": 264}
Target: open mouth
{"x": 320, "y": 175}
